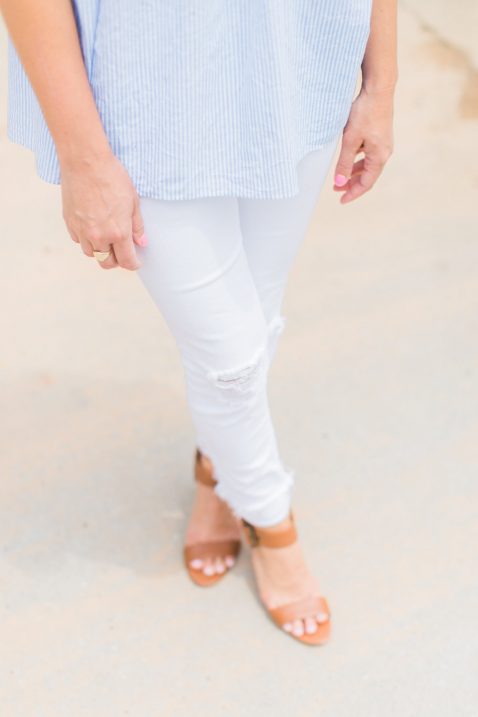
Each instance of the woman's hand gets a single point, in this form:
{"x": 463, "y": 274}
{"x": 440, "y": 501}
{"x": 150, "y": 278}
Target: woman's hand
{"x": 100, "y": 204}
{"x": 101, "y": 208}
{"x": 369, "y": 129}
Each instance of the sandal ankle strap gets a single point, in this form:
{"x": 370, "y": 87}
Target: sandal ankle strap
{"x": 203, "y": 471}
{"x": 268, "y": 538}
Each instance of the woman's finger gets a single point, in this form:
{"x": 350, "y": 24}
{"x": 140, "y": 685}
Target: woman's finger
{"x": 111, "y": 262}
{"x": 139, "y": 237}
{"x": 351, "y": 145}
{"x": 73, "y": 236}
{"x": 87, "y": 247}
{"x": 125, "y": 252}
{"x": 363, "y": 182}
{"x": 357, "y": 168}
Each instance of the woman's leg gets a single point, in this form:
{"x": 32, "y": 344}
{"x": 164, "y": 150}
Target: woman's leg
{"x": 247, "y": 259}
{"x": 197, "y": 272}
{"x": 273, "y": 231}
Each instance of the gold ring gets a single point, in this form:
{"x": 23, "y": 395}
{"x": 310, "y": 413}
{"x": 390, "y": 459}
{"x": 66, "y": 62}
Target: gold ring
{"x": 101, "y": 255}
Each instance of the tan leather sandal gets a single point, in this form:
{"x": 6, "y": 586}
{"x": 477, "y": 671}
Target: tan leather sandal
{"x": 298, "y": 609}
{"x": 203, "y": 472}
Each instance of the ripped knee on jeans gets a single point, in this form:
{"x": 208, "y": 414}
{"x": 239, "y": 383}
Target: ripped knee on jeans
{"x": 243, "y": 379}
{"x": 248, "y": 377}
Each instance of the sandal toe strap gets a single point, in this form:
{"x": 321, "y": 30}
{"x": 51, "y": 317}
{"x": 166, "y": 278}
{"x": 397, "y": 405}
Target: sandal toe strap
{"x": 300, "y": 609}
{"x": 212, "y": 549}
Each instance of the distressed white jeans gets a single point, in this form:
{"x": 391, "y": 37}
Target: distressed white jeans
{"x": 217, "y": 269}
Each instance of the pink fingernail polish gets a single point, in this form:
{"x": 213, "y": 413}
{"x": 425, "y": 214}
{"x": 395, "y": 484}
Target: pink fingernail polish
{"x": 143, "y": 240}
{"x": 340, "y": 180}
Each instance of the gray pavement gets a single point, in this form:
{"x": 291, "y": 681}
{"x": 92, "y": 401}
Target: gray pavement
{"x": 374, "y": 394}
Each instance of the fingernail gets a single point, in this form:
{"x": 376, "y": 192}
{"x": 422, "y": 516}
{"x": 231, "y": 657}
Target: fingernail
{"x": 143, "y": 240}
{"x": 340, "y": 180}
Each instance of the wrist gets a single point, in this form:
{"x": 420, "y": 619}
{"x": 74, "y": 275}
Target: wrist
{"x": 379, "y": 85}
{"x": 82, "y": 149}
{"x": 83, "y": 155}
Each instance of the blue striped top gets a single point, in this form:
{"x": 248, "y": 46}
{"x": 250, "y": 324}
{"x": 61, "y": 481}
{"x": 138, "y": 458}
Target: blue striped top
{"x": 208, "y": 98}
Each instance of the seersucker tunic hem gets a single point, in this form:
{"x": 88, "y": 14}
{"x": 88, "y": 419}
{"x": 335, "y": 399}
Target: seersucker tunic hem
{"x": 208, "y": 99}
{"x": 286, "y": 183}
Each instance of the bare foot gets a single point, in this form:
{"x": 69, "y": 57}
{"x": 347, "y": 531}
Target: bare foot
{"x": 283, "y": 576}
{"x": 211, "y": 519}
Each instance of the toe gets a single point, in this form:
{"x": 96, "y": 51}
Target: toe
{"x": 229, "y": 560}
{"x": 310, "y": 625}
{"x": 209, "y": 568}
{"x": 196, "y": 563}
{"x": 219, "y": 564}
{"x": 298, "y": 628}
{"x": 322, "y": 617}
{"x": 287, "y": 626}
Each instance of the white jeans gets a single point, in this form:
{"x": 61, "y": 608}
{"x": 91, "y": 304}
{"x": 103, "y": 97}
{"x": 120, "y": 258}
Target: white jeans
{"x": 217, "y": 269}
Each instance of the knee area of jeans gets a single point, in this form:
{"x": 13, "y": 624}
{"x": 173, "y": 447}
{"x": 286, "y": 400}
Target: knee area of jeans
{"x": 244, "y": 380}
{"x": 247, "y": 378}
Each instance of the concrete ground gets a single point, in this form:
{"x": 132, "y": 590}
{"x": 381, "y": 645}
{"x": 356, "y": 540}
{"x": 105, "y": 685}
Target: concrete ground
{"x": 374, "y": 393}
